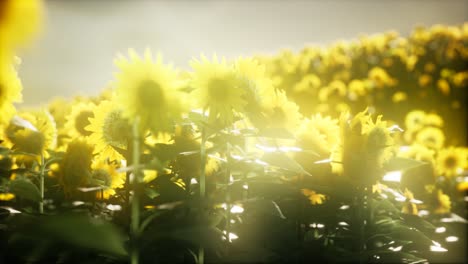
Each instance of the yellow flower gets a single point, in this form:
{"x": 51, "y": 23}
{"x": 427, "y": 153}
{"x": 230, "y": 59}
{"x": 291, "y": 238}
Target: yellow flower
{"x": 434, "y": 120}
{"x": 415, "y": 120}
{"x": 357, "y": 88}
{"x": 59, "y": 108}
{"x": 418, "y": 152}
{"x": 443, "y": 86}
{"x": 443, "y": 203}
{"x": 106, "y": 175}
{"x": 451, "y": 161}
{"x": 307, "y": 84}
{"x": 381, "y": 78}
{"x": 109, "y": 130}
{"x": 33, "y": 132}
{"x": 10, "y": 91}
{"x": 365, "y": 147}
{"x": 217, "y": 89}
{"x": 279, "y": 112}
{"x": 314, "y": 198}
{"x": 253, "y": 80}
{"x": 6, "y": 196}
{"x": 75, "y": 166}
{"x": 19, "y": 21}
{"x": 431, "y": 137}
{"x": 146, "y": 88}
{"x": 409, "y": 207}
{"x": 424, "y": 80}
{"x": 78, "y": 119}
{"x": 399, "y": 97}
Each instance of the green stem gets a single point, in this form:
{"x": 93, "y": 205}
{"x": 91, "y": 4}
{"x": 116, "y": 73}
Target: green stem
{"x": 202, "y": 185}
{"x": 41, "y": 185}
{"x": 228, "y": 195}
{"x": 135, "y": 203}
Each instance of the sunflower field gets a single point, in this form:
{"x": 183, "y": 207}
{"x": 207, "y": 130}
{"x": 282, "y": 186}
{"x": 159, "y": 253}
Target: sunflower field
{"x": 351, "y": 153}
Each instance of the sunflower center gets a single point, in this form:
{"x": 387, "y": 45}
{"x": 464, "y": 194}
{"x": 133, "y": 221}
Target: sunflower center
{"x": 81, "y": 121}
{"x": 450, "y": 162}
{"x": 104, "y": 176}
{"x": 150, "y": 93}
{"x": 217, "y": 89}
{"x": 115, "y": 129}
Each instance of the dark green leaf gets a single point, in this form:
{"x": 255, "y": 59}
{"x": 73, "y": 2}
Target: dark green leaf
{"x": 25, "y": 189}
{"x": 84, "y": 232}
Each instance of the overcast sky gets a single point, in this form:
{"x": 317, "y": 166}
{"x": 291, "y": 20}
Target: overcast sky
{"x": 75, "y": 54}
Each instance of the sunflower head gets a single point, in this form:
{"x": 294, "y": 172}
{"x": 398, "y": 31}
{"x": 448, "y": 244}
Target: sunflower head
{"x": 451, "y": 161}
{"x": 219, "y": 90}
{"x": 279, "y": 112}
{"x": 109, "y": 130}
{"x": 78, "y": 119}
{"x": 106, "y": 175}
{"x": 431, "y": 137}
{"x": 146, "y": 88}
{"x": 364, "y": 147}
{"x": 75, "y": 166}
{"x": 33, "y": 132}
{"x": 10, "y": 92}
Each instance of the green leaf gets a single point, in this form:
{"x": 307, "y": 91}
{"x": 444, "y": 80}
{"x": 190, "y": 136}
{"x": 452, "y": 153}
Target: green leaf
{"x": 151, "y": 193}
{"x": 401, "y": 164}
{"x": 25, "y": 189}
{"x": 83, "y": 232}
{"x": 384, "y": 205}
{"x": 283, "y": 161}
{"x": 263, "y": 206}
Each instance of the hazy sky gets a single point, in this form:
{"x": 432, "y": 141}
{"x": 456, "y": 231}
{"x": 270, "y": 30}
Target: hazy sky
{"x": 75, "y": 54}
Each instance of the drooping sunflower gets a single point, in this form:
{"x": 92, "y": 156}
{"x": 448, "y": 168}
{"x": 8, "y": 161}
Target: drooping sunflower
{"x": 217, "y": 89}
{"x": 19, "y": 21}
{"x": 106, "y": 175}
{"x": 431, "y": 137}
{"x": 75, "y": 166}
{"x": 10, "y": 92}
{"x": 365, "y": 147}
{"x": 109, "y": 130}
{"x": 451, "y": 161}
{"x": 78, "y": 119}
{"x": 146, "y": 88}
{"x": 33, "y": 132}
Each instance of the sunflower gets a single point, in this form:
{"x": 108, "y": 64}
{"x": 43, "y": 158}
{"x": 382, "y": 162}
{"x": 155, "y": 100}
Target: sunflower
{"x": 451, "y": 161}
{"x": 78, "y": 119}
{"x": 443, "y": 203}
{"x": 409, "y": 207}
{"x": 418, "y": 152}
{"x": 318, "y": 134}
{"x": 33, "y": 132}
{"x": 10, "y": 92}
{"x": 434, "y": 120}
{"x": 279, "y": 112}
{"x": 19, "y": 21}
{"x": 314, "y": 198}
{"x": 109, "y": 130}
{"x": 218, "y": 89}
{"x": 105, "y": 174}
{"x": 431, "y": 137}
{"x": 75, "y": 166}
{"x": 415, "y": 120}
{"x": 365, "y": 147}
{"x": 146, "y": 88}
{"x": 381, "y": 78}
{"x": 253, "y": 80}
